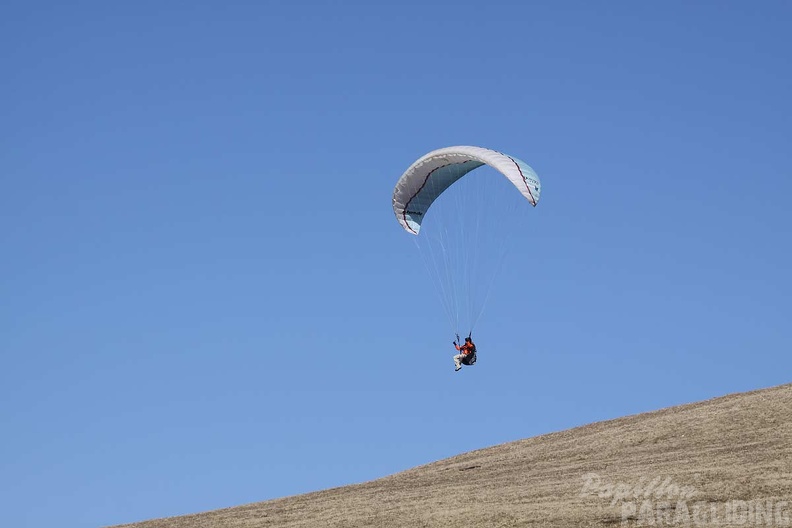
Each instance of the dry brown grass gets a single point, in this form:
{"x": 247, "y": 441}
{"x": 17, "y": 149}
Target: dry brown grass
{"x": 733, "y": 448}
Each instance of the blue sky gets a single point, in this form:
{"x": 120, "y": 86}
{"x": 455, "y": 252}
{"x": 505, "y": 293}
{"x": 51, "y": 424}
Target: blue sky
{"x": 203, "y": 285}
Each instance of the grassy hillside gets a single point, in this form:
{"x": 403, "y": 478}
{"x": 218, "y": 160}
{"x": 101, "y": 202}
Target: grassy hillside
{"x": 724, "y": 462}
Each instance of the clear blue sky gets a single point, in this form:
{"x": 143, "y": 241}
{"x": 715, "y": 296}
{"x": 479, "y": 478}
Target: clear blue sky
{"x": 195, "y": 210}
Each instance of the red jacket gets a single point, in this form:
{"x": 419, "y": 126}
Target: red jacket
{"x": 466, "y": 349}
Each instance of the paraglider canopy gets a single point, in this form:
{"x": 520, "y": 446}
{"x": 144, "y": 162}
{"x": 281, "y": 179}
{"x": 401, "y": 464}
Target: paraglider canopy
{"x": 433, "y": 173}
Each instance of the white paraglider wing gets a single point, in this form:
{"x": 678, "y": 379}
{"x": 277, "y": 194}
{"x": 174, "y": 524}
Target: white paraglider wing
{"x": 433, "y": 173}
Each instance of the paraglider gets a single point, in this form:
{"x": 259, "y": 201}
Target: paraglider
{"x": 467, "y": 353}
{"x": 463, "y": 224}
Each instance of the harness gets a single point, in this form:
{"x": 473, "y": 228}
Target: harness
{"x": 470, "y": 357}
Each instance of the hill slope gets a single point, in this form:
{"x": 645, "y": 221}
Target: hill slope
{"x": 726, "y": 460}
